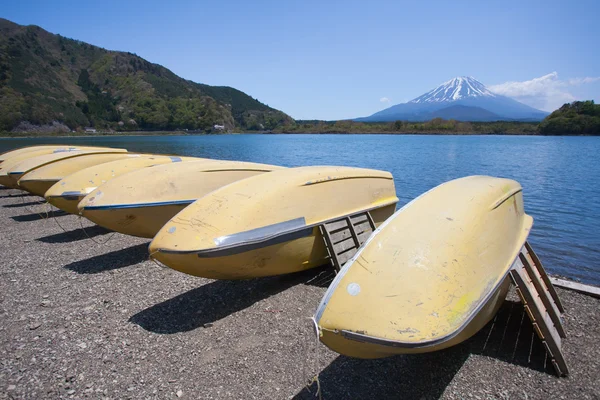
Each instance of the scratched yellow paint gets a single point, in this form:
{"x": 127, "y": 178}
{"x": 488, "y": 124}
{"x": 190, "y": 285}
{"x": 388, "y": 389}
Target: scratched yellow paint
{"x": 12, "y": 159}
{"x": 45, "y": 149}
{"x": 316, "y": 194}
{"x": 432, "y": 275}
{"x": 173, "y": 182}
{"x": 33, "y": 163}
{"x": 88, "y": 179}
{"x": 39, "y": 180}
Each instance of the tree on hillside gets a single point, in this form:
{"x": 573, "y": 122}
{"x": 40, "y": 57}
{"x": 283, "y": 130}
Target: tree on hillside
{"x": 577, "y": 118}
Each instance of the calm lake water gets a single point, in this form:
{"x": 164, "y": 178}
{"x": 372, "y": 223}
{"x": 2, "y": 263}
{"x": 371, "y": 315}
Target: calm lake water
{"x": 560, "y": 175}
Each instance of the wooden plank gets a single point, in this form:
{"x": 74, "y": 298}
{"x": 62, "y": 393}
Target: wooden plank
{"x": 344, "y": 245}
{"x": 536, "y": 306}
{"x": 371, "y": 222}
{"x": 578, "y": 287}
{"x": 559, "y": 372}
{"x": 363, "y": 236}
{"x": 345, "y": 256}
{"x": 340, "y": 236}
{"x": 329, "y": 246}
{"x": 334, "y": 226}
{"x": 359, "y": 218}
{"x": 545, "y": 278}
{"x": 543, "y": 294}
{"x": 557, "y": 369}
{"x": 363, "y": 226}
{"x": 344, "y": 236}
{"x": 541, "y": 319}
{"x": 363, "y": 221}
{"x": 532, "y": 319}
{"x": 353, "y": 232}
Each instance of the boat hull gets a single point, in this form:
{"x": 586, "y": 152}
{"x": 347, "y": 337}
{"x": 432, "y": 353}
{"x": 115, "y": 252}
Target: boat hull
{"x": 296, "y": 254}
{"x": 17, "y": 152}
{"x": 269, "y": 224}
{"x": 21, "y": 156}
{"x": 141, "y": 221}
{"x": 432, "y": 275}
{"x": 7, "y": 182}
{"x": 64, "y": 201}
{"x": 17, "y": 171}
{"x": 39, "y": 180}
{"x": 371, "y": 349}
{"x": 69, "y": 191}
{"x": 37, "y": 187}
{"x": 139, "y": 203}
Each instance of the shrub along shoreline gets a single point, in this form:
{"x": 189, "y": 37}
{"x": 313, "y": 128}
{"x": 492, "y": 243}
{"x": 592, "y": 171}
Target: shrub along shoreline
{"x": 580, "y": 118}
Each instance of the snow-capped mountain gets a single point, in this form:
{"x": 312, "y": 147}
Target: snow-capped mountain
{"x": 462, "y": 98}
{"x": 455, "y": 89}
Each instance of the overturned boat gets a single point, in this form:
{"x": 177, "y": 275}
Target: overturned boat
{"x": 22, "y": 156}
{"x": 17, "y": 152}
{"x": 69, "y": 191}
{"x": 17, "y": 171}
{"x": 270, "y": 224}
{"x": 432, "y": 275}
{"x": 38, "y": 180}
{"x": 139, "y": 203}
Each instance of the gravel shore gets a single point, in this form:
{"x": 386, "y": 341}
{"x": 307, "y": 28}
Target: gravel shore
{"x": 84, "y": 314}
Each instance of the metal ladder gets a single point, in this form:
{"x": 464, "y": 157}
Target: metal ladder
{"x": 541, "y": 303}
{"x": 345, "y": 235}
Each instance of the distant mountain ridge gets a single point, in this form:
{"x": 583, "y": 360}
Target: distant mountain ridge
{"x": 463, "y": 99}
{"x": 46, "y": 78}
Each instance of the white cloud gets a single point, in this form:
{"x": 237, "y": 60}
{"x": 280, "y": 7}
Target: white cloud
{"x": 547, "y": 92}
{"x": 385, "y": 100}
{"x": 581, "y": 81}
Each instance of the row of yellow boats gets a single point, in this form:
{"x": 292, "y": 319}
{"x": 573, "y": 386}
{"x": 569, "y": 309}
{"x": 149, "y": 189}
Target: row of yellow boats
{"x": 431, "y": 275}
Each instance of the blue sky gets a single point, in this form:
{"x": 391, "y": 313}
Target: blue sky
{"x": 345, "y": 59}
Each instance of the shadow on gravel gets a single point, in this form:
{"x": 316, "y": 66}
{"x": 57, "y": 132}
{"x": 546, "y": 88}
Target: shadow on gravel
{"x": 75, "y": 235}
{"x": 421, "y": 376}
{"x": 213, "y": 301}
{"x": 109, "y": 261}
{"x": 28, "y": 204}
{"x": 509, "y": 338}
{"x": 324, "y": 275}
{"x": 16, "y": 195}
{"x": 38, "y": 216}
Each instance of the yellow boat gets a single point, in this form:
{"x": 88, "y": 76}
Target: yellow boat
{"x": 13, "y": 153}
{"x": 269, "y": 224}
{"x": 139, "y": 203}
{"x": 17, "y": 171}
{"x": 39, "y": 180}
{"x": 69, "y": 191}
{"x": 21, "y": 156}
{"x": 432, "y": 275}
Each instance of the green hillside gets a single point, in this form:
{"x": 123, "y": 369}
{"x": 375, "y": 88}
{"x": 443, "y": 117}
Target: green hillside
{"x": 577, "y": 118}
{"x": 46, "y": 77}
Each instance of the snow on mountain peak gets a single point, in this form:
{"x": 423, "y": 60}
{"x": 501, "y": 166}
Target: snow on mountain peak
{"x": 455, "y": 89}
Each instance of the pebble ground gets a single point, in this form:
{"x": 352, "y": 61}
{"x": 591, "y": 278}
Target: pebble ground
{"x": 85, "y": 314}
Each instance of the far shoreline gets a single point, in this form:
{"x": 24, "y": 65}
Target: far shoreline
{"x": 6, "y": 136}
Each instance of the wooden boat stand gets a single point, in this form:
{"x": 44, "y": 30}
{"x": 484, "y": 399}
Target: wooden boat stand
{"x": 344, "y": 236}
{"x": 541, "y": 303}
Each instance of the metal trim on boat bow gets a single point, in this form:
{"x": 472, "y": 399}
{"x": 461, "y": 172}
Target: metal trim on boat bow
{"x": 257, "y": 238}
{"x": 139, "y": 205}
